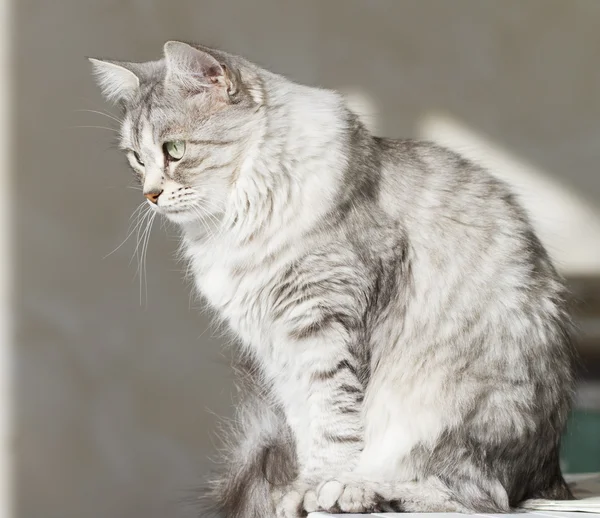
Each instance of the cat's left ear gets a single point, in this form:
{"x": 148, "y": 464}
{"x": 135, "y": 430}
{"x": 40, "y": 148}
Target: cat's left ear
{"x": 197, "y": 70}
{"x": 118, "y": 81}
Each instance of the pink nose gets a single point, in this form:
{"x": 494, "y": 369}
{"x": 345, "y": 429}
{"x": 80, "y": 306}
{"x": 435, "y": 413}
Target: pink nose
{"x": 153, "y": 195}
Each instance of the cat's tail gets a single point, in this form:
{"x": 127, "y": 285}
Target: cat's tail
{"x": 244, "y": 490}
{"x": 258, "y": 457}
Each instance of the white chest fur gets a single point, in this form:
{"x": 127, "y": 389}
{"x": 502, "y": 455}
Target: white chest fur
{"x": 240, "y": 299}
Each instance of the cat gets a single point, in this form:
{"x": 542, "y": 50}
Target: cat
{"x": 405, "y": 341}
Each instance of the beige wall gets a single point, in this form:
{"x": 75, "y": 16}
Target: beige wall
{"x": 114, "y": 400}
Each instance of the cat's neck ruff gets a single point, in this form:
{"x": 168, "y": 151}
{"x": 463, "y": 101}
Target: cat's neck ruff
{"x": 287, "y": 182}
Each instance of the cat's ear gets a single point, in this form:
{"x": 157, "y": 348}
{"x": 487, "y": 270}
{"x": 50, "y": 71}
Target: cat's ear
{"x": 117, "y": 80}
{"x": 195, "y": 69}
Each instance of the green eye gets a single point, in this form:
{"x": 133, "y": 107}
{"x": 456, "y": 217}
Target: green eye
{"x": 138, "y": 158}
{"x": 174, "y": 149}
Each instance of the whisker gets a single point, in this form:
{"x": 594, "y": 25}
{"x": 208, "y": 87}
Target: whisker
{"x": 140, "y": 254}
{"x": 96, "y": 127}
{"x": 196, "y": 210}
{"x": 122, "y": 242}
{"x": 217, "y": 223}
{"x": 212, "y": 205}
{"x": 144, "y": 256}
{"x": 207, "y": 214}
{"x": 139, "y": 208}
{"x": 201, "y": 219}
{"x": 136, "y": 211}
{"x": 140, "y": 234}
{"x": 116, "y": 119}
{"x": 142, "y": 240}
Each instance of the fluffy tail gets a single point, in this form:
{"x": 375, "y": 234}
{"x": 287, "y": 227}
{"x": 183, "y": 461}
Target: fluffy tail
{"x": 258, "y": 456}
{"x": 244, "y": 489}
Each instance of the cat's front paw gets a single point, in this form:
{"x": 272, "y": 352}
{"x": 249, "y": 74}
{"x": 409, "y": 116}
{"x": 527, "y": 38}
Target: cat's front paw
{"x": 343, "y": 494}
{"x": 289, "y": 500}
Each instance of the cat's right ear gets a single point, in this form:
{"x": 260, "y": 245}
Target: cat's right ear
{"x": 196, "y": 70}
{"x": 117, "y": 80}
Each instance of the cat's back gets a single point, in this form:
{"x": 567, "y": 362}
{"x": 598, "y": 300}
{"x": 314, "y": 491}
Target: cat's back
{"x": 469, "y": 238}
{"x": 447, "y": 202}
{"x": 431, "y": 181}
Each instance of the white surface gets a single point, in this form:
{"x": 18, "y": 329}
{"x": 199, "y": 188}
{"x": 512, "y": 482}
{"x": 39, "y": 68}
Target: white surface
{"x": 585, "y": 487}
{"x": 545, "y": 514}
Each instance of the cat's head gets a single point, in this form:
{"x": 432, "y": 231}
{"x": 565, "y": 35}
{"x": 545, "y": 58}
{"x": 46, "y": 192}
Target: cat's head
{"x": 188, "y": 122}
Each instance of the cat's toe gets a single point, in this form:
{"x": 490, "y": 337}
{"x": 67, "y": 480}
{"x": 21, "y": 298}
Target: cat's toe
{"x": 290, "y": 505}
{"x": 357, "y": 499}
{"x": 290, "y": 501}
{"x": 328, "y": 494}
{"x": 347, "y": 496}
{"x": 311, "y": 504}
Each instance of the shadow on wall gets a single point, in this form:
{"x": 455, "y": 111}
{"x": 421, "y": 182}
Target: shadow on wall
{"x": 568, "y": 225}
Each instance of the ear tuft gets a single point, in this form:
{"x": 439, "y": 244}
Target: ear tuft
{"x": 116, "y": 80}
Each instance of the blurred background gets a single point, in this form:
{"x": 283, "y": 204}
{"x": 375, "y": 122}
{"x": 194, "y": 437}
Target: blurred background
{"x": 117, "y": 380}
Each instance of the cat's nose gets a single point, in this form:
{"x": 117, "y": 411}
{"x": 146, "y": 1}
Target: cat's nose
{"x": 153, "y": 195}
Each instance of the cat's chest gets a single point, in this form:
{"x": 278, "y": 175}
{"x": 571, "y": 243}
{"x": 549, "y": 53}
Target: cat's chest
{"x": 242, "y": 299}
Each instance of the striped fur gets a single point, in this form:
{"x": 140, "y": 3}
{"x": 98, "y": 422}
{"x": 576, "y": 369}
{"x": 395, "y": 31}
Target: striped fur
{"x": 406, "y": 339}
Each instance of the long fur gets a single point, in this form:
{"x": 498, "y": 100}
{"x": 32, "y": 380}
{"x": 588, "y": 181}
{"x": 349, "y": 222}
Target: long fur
{"x": 405, "y": 339}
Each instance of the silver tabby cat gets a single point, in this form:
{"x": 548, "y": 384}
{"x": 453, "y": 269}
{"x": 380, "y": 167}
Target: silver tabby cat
{"x": 404, "y": 338}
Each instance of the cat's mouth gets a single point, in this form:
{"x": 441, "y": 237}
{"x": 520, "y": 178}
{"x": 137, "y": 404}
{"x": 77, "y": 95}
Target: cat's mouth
{"x": 170, "y": 210}
{"x": 177, "y": 214}
{"x": 187, "y": 210}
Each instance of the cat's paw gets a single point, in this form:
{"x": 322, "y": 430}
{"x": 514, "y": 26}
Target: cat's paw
{"x": 347, "y": 495}
{"x": 289, "y": 500}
